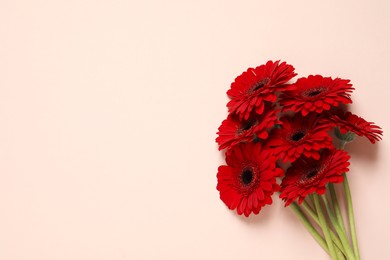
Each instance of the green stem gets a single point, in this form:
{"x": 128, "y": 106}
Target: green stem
{"x": 336, "y": 207}
{"x": 342, "y": 235}
{"x": 305, "y": 221}
{"x": 314, "y": 216}
{"x": 311, "y": 198}
{"x": 311, "y": 211}
{"x": 340, "y": 255}
{"x": 351, "y": 217}
{"x": 324, "y": 226}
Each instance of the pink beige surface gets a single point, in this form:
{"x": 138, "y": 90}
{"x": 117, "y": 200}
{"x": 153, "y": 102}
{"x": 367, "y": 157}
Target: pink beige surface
{"x": 108, "y": 114}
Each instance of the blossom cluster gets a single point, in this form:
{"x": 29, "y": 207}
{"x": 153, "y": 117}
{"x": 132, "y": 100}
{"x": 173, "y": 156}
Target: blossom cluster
{"x": 274, "y": 122}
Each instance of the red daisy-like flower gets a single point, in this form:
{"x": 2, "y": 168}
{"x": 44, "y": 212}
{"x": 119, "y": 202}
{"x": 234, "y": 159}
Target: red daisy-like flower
{"x": 298, "y": 136}
{"x": 248, "y": 180}
{"x": 253, "y": 87}
{"x": 233, "y": 131}
{"x": 348, "y": 122}
{"x": 306, "y": 176}
{"x": 316, "y": 94}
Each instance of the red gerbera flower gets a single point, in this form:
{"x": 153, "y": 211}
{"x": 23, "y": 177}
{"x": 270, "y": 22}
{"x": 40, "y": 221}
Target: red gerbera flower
{"x": 252, "y": 88}
{"x": 248, "y": 180}
{"x": 306, "y": 176}
{"x": 298, "y": 136}
{"x": 316, "y": 94}
{"x": 233, "y": 131}
{"x": 348, "y": 122}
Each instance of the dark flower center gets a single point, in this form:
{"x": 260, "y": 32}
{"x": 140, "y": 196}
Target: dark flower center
{"x": 297, "y": 136}
{"x": 247, "y": 176}
{"x": 259, "y": 85}
{"x": 246, "y": 126}
{"x": 312, "y": 174}
{"x": 314, "y": 92}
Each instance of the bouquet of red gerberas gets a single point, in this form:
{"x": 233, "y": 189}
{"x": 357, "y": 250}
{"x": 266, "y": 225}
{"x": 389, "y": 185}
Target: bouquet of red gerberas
{"x": 289, "y": 138}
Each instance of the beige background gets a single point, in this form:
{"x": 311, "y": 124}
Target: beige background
{"x": 108, "y": 114}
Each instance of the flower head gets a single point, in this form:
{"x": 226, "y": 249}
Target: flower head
{"x": 233, "y": 131}
{"x": 348, "y": 122}
{"x": 316, "y": 94}
{"x": 306, "y": 176}
{"x": 254, "y": 87}
{"x": 298, "y": 136}
{"x": 248, "y": 180}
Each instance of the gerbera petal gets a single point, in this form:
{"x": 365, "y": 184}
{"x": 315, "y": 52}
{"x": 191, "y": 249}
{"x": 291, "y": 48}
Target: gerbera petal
{"x": 260, "y": 194}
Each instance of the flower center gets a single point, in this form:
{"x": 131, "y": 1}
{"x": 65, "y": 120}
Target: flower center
{"x": 247, "y": 176}
{"x": 245, "y": 126}
{"x": 297, "y": 136}
{"x": 259, "y": 85}
{"x": 314, "y": 92}
{"x": 312, "y": 174}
